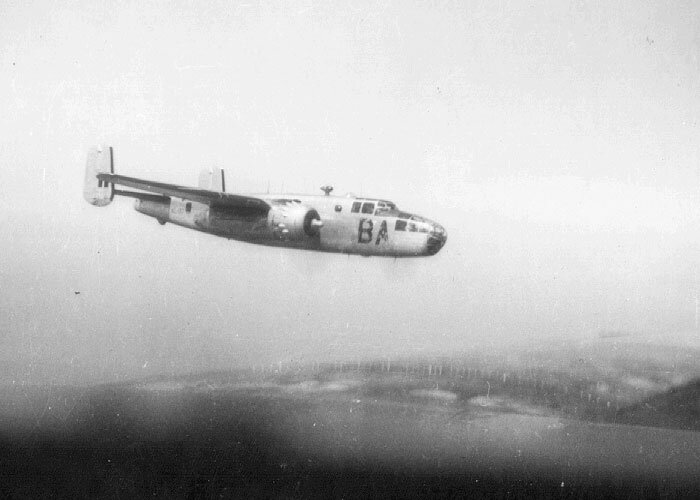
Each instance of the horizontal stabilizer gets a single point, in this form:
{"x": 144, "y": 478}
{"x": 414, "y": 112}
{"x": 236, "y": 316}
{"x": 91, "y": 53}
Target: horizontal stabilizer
{"x": 96, "y": 191}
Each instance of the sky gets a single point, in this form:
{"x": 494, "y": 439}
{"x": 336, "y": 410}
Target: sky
{"x": 557, "y": 142}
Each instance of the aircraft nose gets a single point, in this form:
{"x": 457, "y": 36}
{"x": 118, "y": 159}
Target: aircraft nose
{"x": 437, "y": 239}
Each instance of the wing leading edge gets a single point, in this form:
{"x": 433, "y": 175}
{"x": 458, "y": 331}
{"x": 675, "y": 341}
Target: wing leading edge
{"x": 211, "y": 198}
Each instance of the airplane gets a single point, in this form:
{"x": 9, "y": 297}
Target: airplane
{"x": 341, "y": 224}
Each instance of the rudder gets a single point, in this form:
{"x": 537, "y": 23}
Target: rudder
{"x": 99, "y": 161}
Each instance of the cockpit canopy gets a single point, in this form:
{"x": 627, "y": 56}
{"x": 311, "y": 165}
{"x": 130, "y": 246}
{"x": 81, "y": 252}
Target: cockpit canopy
{"x": 383, "y": 208}
{"x": 374, "y": 207}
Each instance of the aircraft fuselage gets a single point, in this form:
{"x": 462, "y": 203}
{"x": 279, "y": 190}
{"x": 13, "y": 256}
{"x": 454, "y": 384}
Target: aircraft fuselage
{"x": 349, "y": 224}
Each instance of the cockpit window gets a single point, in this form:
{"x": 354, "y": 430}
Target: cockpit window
{"x": 368, "y": 208}
{"x": 400, "y": 225}
{"x": 404, "y": 215}
{"x": 412, "y": 227}
{"x": 385, "y": 208}
{"x": 356, "y": 207}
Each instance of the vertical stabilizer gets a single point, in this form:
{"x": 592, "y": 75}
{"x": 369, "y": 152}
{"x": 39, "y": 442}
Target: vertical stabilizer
{"x": 212, "y": 179}
{"x": 95, "y": 191}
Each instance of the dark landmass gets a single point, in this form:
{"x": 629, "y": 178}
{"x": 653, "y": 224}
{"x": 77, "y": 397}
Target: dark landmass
{"x": 677, "y": 408}
{"x": 551, "y": 422}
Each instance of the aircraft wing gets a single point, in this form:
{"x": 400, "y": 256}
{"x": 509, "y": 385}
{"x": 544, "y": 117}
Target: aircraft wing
{"x": 211, "y": 198}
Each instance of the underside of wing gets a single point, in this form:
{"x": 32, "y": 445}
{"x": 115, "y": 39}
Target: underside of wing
{"x": 211, "y": 198}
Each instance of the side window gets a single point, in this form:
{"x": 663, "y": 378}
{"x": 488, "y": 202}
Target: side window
{"x": 412, "y": 227}
{"x": 400, "y": 225}
{"x": 338, "y": 208}
{"x": 188, "y": 207}
{"x": 356, "y": 207}
{"x": 368, "y": 208}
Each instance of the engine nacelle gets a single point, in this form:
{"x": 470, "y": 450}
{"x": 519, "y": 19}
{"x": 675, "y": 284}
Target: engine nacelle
{"x": 293, "y": 221}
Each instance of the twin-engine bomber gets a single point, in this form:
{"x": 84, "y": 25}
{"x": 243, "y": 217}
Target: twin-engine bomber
{"x": 325, "y": 223}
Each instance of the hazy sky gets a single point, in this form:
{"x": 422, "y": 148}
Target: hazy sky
{"x": 556, "y": 142}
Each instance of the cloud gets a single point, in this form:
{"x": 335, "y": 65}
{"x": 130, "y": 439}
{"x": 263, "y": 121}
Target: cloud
{"x": 573, "y": 202}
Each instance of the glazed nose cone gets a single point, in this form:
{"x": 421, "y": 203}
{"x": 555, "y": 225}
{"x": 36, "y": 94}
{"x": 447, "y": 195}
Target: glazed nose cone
{"x": 436, "y": 240}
